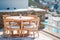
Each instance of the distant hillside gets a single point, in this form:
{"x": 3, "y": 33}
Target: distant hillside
{"x": 35, "y": 3}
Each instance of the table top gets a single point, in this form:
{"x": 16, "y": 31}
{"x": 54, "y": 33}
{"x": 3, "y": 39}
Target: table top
{"x": 20, "y": 17}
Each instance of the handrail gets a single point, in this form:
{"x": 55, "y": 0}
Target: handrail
{"x": 51, "y": 25}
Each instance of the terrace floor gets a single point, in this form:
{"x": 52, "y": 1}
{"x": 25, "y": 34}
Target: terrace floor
{"x": 42, "y": 36}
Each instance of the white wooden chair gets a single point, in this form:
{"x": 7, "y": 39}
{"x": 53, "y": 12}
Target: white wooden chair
{"x": 32, "y": 26}
{"x": 11, "y": 26}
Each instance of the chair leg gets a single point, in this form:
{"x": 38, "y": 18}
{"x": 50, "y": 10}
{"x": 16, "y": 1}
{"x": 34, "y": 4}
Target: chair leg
{"x": 10, "y": 32}
{"x": 33, "y": 34}
{"x": 19, "y": 33}
{"x": 37, "y": 34}
{"x": 4, "y": 32}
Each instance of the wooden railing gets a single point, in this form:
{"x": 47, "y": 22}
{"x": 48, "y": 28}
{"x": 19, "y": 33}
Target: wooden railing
{"x": 50, "y": 29}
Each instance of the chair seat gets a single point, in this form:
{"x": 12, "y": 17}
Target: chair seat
{"x": 28, "y": 26}
{"x": 14, "y": 27}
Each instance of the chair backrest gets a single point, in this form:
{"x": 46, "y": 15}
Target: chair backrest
{"x": 37, "y": 19}
{"x": 9, "y": 22}
{"x": 35, "y": 23}
{"x": 32, "y": 24}
{"x": 4, "y": 21}
{"x": 4, "y": 16}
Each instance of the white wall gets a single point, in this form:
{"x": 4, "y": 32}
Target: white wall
{"x": 13, "y": 4}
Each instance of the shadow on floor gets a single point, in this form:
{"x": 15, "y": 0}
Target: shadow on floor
{"x": 15, "y": 38}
